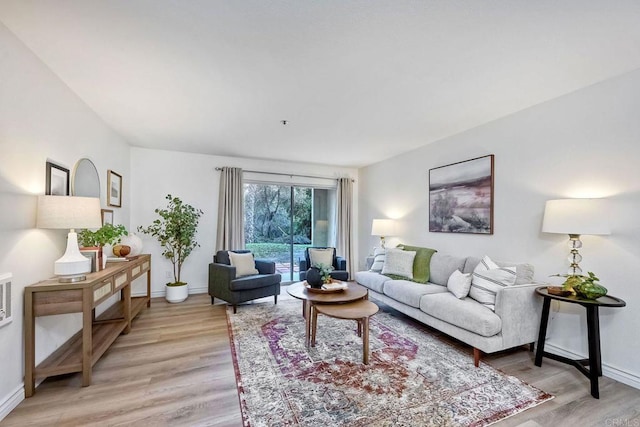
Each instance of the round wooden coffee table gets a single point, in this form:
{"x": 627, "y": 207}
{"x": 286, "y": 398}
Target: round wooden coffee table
{"x": 298, "y": 290}
{"x": 360, "y": 311}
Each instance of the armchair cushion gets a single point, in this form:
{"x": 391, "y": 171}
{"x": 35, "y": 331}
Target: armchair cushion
{"x": 323, "y": 256}
{"x": 244, "y": 263}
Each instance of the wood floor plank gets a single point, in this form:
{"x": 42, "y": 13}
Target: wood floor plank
{"x": 175, "y": 368}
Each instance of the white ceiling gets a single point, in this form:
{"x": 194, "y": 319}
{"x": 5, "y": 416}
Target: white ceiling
{"x": 358, "y": 81}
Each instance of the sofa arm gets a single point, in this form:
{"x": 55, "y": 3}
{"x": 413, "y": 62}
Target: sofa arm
{"x": 519, "y": 309}
{"x": 265, "y": 266}
{"x": 341, "y": 263}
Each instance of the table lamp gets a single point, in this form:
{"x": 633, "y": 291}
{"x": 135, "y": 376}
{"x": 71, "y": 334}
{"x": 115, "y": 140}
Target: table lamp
{"x": 383, "y": 228}
{"x": 575, "y": 217}
{"x": 68, "y": 212}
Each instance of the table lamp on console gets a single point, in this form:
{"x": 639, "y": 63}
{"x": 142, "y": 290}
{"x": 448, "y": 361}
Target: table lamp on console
{"x": 69, "y": 212}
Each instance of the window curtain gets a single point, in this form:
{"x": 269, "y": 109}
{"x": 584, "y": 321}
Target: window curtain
{"x": 344, "y": 227}
{"x": 230, "y": 233}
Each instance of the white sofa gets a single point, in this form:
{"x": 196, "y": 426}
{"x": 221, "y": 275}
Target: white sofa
{"x": 515, "y": 321}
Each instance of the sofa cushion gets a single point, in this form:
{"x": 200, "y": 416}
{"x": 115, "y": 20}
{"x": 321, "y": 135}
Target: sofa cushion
{"x": 442, "y": 266}
{"x": 371, "y": 280}
{"x": 464, "y": 313}
{"x": 410, "y": 293}
{"x": 244, "y": 263}
{"x": 488, "y": 279}
{"x": 421, "y": 262}
{"x": 524, "y": 271}
{"x": 459, "y": 284}
{"x": 398, "y": 263}
{"x": 378, "y": 260}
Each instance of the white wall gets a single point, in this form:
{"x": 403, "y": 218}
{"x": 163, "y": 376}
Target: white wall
{"x": 585, "y": 144}
{"x": 40, "y": 119}
{"x": 193, "y": 178}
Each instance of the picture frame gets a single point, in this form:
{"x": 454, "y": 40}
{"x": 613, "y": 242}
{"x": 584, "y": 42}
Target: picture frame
{"x": 114, "y": 189}
{"x": 57, "y": 180}
{"x": 107, "y": 216}
{"x": 461, "y": 197}
{"x": 95, "y": 255}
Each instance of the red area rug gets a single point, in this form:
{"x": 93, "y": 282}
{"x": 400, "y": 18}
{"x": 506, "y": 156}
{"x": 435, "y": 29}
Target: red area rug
{"x": 413, "y": 379}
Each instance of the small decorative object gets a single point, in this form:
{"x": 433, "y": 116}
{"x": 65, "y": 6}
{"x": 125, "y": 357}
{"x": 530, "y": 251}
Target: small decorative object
{"x": 121, "y": 250}
{"x": 176, "y": 232}
{"x": 589, "y": 287}
{"x": 134, "y": 242}
{"x": 558, "y": 290}
{"x": 314, "y": 277}
{"x": 114, "y": 189}
{"x": 325, "y": 272}
{"x": 584, "y": 286}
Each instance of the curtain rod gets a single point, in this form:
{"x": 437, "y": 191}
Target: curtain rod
{"x": 286, "y": 174}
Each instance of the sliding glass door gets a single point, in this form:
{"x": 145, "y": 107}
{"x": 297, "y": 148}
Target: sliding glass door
{"x": 282, "y": 220}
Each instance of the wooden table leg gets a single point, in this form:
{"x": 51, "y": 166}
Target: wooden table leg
{"x": 542, "y": 335}
{"x": 314, "y": 325}
{"x": 87, "y": 346}
{"x": 29, "y": 346}
{"x": 307, "y": 323}
{"x": 593, "y": 331}
{"x": 365, "y": 340}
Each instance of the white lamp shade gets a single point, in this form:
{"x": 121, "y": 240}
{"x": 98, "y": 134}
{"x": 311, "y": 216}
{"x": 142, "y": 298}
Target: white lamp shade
{"x": 383, "y": 227}
{"x": 67, "y": 212}
{"x": 576, "y": 216}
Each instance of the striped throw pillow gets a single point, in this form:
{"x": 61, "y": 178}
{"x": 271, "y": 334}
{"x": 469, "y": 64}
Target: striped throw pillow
{"x": 488, "y": 279}
{"x": 378, "y": 260}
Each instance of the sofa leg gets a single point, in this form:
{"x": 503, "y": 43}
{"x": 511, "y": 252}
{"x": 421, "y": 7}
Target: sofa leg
{"x": 234, "y": 309}
{"x": 212, "y": 300}
{"x": 476, "y": 357}
{"x": 531, "y": 346}
{"x": 275, "y": 299}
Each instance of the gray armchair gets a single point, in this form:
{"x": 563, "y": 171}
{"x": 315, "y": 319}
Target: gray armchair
{"x": 224, "y": 284}
{"x": 339, "y": 265}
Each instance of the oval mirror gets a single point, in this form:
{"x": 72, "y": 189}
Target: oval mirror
{"x": 85, "y": 181}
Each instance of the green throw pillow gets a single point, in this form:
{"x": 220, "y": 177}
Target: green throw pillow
{"x": 421, "y": 262}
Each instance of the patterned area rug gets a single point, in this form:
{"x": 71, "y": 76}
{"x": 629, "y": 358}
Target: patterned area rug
{"x": 413, "y": 378}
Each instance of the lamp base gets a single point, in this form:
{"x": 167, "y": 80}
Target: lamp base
{"x": 72, "y": 279}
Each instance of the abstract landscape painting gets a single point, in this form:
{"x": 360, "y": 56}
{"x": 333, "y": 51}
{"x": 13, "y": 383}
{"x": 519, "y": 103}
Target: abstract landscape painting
{"x": 461, "y": 197}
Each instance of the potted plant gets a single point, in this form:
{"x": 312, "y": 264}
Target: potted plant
{"x": 175, "y": 230}
{"x": 102, "y": 239}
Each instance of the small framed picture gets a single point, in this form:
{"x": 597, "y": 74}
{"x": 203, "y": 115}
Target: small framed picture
{"x": 114, "y": 189}
{"x": 107, "y": 216}
{"x": 57, "y": 180}
{"x": 95, "y": 255}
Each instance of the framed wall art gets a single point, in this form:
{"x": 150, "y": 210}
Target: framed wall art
{"x": 114, "y": 189}
{"x": 107, "y": 216}
{"x": 57, "y": 183}
{"x": 461, "y": 197}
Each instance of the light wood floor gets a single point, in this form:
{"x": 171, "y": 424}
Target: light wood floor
{"x": 175, "y": 368}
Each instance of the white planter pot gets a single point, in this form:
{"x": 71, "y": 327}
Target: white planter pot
{"x": 176, "y": 293}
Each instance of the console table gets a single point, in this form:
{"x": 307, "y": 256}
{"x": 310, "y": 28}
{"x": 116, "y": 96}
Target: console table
{"x": 83, "y": 350}
{"x": 593, "y": 332}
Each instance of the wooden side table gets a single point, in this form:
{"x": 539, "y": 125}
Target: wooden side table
{"x": 360, "y": 311}
{"x": 593, "y": 333}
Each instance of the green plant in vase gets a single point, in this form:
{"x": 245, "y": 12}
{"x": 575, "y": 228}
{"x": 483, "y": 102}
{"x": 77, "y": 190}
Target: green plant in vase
{"x": 175, "y": 230}
{"x": 108, "y": 234}
{"x": 325, "y": 272}
{"x": 584, "y": 286}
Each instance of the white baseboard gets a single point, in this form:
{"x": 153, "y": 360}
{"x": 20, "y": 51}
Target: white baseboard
{"x": 10, "y": 402}
{"x": 624, "y": 377}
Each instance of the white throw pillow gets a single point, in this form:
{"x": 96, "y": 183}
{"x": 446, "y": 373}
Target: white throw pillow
{"x": 399, "y": 262}
{"x": 378, "y": 260}
{"x": 459, "y": 284}
{"x": 244, "y": 263}
{"x": 321, "y": 256}
{"x": 488, "y": 279}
